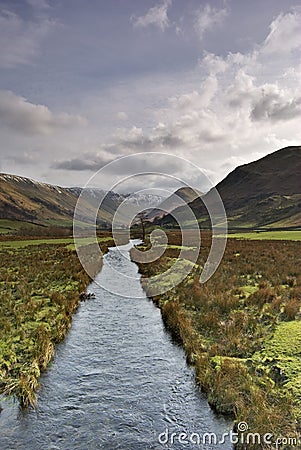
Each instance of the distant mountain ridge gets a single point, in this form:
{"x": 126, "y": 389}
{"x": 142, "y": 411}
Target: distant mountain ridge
{"x": 31, "y": 201}
{"x": 263, "y": 193}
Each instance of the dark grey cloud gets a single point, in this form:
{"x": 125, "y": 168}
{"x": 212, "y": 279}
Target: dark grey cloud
{"x": 275, "y": 108}
{"x": 136, "y": 142}
{"x": 142, "y": 142}
{"x": 90, "y": 162}
{"x": 211, "y": 136}
{"x": 94, "y": 162}
{"x": 169, "y": 140}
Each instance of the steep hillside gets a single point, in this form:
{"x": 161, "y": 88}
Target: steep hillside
{"x": 27, "y": 200}
{"x": 276, "y": 175}
{"x": 263, "y": 193}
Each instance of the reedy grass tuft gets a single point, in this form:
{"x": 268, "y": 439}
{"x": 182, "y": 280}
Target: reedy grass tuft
{"x": 235, "y": 327}
{"x": 39, "y": 293}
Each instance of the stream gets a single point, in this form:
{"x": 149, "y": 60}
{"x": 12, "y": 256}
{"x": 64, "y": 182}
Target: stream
{"x": 118, "y": 381}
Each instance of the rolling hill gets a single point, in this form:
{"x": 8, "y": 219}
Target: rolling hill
{"x": 263, "y": 193}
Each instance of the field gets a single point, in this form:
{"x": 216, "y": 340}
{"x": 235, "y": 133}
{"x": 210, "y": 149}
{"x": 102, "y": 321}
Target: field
{"x": 68, "y": 241}
{"x": 49, "y": 227}
{"x": 40, "y": 283}
{"x": 8, "y": 226}
{"x": 241, "y": 330}
{"x": 269, "y": 235}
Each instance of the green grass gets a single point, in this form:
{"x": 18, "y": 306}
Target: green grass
{"x": 40, "y": 283}
{"x": 269, "y": 235}
{"x": 282, "y": 352}
{"x": 24, "y": 228}
{"x": 240, "y": 328}
{"x": 249, "y": 290}
{"x": 178, "y": 247}
{"x": 286, "y": 340}
{"x": 39, "y": 291}
{"x": 168, "y": 279}
{"x": 21, "y": 243}
{"x": 8, "y": 226}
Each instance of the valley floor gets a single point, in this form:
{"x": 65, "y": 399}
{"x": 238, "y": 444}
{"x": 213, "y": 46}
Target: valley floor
{"x": 241, "y": 329}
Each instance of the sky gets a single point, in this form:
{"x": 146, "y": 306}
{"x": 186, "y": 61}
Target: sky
{"x": 83, "y": 82}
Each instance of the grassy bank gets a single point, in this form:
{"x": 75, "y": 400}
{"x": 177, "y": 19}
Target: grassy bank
{"x": 40, "y": 283}
{"x": 242, "y": 330}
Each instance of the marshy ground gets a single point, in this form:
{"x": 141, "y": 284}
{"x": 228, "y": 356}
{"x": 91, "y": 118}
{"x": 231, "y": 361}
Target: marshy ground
{"x": 241, "y": 329}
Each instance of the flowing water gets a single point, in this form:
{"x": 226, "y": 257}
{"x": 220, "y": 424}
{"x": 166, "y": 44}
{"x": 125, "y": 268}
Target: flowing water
{"x": 117, "y": 381}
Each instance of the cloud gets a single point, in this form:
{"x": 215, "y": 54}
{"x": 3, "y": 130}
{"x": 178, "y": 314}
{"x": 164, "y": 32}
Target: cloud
{"x": 240, "y": 107}
{"x": 214, "y": 64}
{"x": 121, "y": 115}
{"x": 264, "y": 102}
{"x": 197, "y": 99}
{"x": 20, "y": 40}
{"x": 88, "y": 161}
{"x": 208, "y": 18}
{"x": 244, "y": 103}
{"x": 242, "y": 90}
{"x": 38, "y": 4}
{"x": 275, "y": 106}
{"x": 156, "y": 16}
{"x": 157, "y": 163}
{"x": 135, "y": 140}
{"x": 24, "y": 159}
{"x": 20, "y": 115}
{"x": 285, "y": 33}
{"x": 93, "y": 161}
{"x": 218, "y": 111}
{"x": 127, "y": 142}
